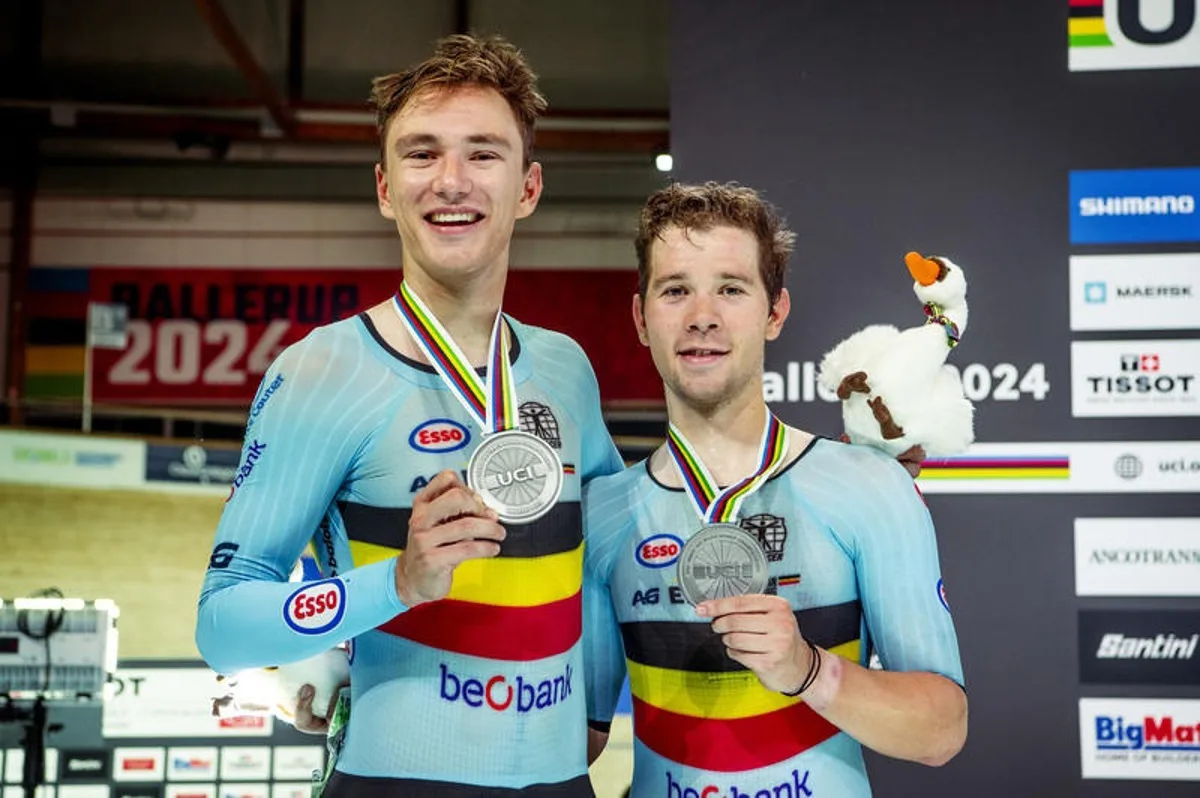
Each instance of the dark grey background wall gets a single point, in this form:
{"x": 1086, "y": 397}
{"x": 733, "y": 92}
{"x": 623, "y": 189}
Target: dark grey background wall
{"x": 951, "y": 127}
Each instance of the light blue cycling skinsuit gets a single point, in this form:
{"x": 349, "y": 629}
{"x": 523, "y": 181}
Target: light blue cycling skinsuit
{"x": 480, "y": 693}
{"x": 849, "y": 544}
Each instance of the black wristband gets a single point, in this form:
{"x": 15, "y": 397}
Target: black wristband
{"x": 814, "y": 670}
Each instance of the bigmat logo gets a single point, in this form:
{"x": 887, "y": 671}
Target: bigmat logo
{"x": 1068, "y": 467}
{"x": 1135, "y": 378}
{"x": 1135, "y": 292}
{"x": 1137, "y": 557}
{"x": 1140, "y": 738}
{"x": 1139, "y": 647}
{"x": 1132, "y": 34}
{"x": 1132, "y": 206}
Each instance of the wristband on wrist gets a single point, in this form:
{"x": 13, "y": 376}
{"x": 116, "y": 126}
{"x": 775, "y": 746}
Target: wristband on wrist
{"x": 814, "y": 670}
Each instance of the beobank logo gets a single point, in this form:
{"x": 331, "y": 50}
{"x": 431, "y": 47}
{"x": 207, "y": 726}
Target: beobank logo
{"x": 439, "y": 435}
{"x": 795, "y": 787}
{"x": 499, "y": 694}
{"x": 316, "y": 608}
{"x": 659, "y": 551}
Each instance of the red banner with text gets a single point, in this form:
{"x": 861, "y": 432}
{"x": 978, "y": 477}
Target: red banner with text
{"x": 206, "y": 336}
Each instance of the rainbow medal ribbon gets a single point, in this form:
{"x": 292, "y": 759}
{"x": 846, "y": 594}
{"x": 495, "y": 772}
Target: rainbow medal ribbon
{"x": 722, "y": 559}
{"x": 517, "y": 474}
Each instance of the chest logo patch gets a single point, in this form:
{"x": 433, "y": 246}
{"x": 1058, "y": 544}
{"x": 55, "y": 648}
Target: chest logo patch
{"x": 659, "y": 551}
{"x": 439, "y": 435}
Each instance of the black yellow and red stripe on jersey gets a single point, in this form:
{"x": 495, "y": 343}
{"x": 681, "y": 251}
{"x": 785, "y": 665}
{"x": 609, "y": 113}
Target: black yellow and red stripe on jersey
{"x": 521, "y": 605}
{"x": 694, "y": 705}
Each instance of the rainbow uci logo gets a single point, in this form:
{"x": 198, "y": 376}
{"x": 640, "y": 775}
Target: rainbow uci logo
{"x": 1132, "y": 34}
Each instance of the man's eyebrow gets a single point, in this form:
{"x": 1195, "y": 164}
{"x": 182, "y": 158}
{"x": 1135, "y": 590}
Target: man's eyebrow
{"x": 414, "y": 140}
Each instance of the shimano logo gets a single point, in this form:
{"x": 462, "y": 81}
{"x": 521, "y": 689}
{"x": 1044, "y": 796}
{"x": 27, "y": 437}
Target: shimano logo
{"x": 1162, "y": 205}
{"x": 1118, "y": 646}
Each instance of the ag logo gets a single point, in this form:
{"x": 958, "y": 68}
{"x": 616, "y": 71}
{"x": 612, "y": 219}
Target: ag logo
{"x": 659, "y": 551}
{"x": 316, "y": 608}
{"x": 439, "y": 435}
{"x": 1132, "y": 34}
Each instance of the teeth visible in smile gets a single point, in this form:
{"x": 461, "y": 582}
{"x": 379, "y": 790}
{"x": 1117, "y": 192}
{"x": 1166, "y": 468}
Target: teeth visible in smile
{"x": 453, "y": 218}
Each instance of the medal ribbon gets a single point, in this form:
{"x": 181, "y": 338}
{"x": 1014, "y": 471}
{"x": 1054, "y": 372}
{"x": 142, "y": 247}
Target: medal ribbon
{"x": 494, "y": 404}
{"x": 722, "y": 506}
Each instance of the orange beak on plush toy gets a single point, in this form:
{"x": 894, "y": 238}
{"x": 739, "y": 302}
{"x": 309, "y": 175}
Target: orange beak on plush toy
{"x": 924, "y": 270}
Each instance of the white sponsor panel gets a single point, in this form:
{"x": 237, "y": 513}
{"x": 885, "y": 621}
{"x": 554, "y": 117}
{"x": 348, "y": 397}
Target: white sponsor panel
{"x": 1135, "y": 292}
{"x": 172, "y": 702}
{"x": 245, "y": 762}
{"x": 191, "y": 791}
{"x": 1140, "y": 738}
{"x": 1137, "y": 556}
{"x": 192, "y": 764}
{"x": 291, "y": 790}
{"x": 44, "y": 791}
{"x": 1142, "y": 34}
{"x": 1135, "y": 378}
{"x": 14, "y": 765}
{"x": 297, "y": 762}
{"x": 84, "y": 791}
{"x": 244, "y": 791}
{"x": 33, "y": 458}
{"x": 138, "y": 764}
{"x": 1067, "y": 467}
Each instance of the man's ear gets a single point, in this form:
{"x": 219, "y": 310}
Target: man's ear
{"x": 639, "y": 320}
{"x": 778, "y": 315}
{"x": 381, "y": 193}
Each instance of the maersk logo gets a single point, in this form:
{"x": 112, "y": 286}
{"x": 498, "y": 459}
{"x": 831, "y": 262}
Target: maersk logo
{"x": 1119, "y": 206}
{"x": 1145, "y": 291}
{"x": 1118, "y": 646}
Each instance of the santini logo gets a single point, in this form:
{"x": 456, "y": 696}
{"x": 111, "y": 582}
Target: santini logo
{"x": 1118, "y": 646}
{"x": 1165, "y": 204}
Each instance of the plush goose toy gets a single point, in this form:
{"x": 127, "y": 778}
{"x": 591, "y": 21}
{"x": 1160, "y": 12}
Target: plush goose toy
{"x": 896, "y": 389}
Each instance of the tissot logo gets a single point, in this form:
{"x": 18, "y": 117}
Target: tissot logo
{"x": 1139, "y": 646}
{"x": 1135, "y": 378}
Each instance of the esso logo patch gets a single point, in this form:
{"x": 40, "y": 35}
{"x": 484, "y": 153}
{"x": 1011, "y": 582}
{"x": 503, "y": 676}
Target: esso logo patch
{"x": 941, "y": 591}
{"x": 317, "y": 607}
{"x": 439, "y": 435}
{"x": 659, "y": 551}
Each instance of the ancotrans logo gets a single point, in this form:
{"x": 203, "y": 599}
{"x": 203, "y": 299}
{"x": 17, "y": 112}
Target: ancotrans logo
{"x": 794, "y": 787}
{"x": 500, "y": 694}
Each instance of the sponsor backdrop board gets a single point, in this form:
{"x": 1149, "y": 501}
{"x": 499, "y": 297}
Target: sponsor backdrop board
{"x": 159, "y": 739}
{"x": 991, "y": 133}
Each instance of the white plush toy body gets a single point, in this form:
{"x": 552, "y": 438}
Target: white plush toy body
{"x": 896, "y": 389}
{"x": 273, "y": 691}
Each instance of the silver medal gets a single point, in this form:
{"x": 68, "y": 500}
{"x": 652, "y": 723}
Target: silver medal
{"x": 721, "y": 560}
{"x": 517, "y": 474}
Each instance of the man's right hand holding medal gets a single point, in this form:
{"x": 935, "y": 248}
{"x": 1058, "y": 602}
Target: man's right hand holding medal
{"x": 449, "y": 525}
